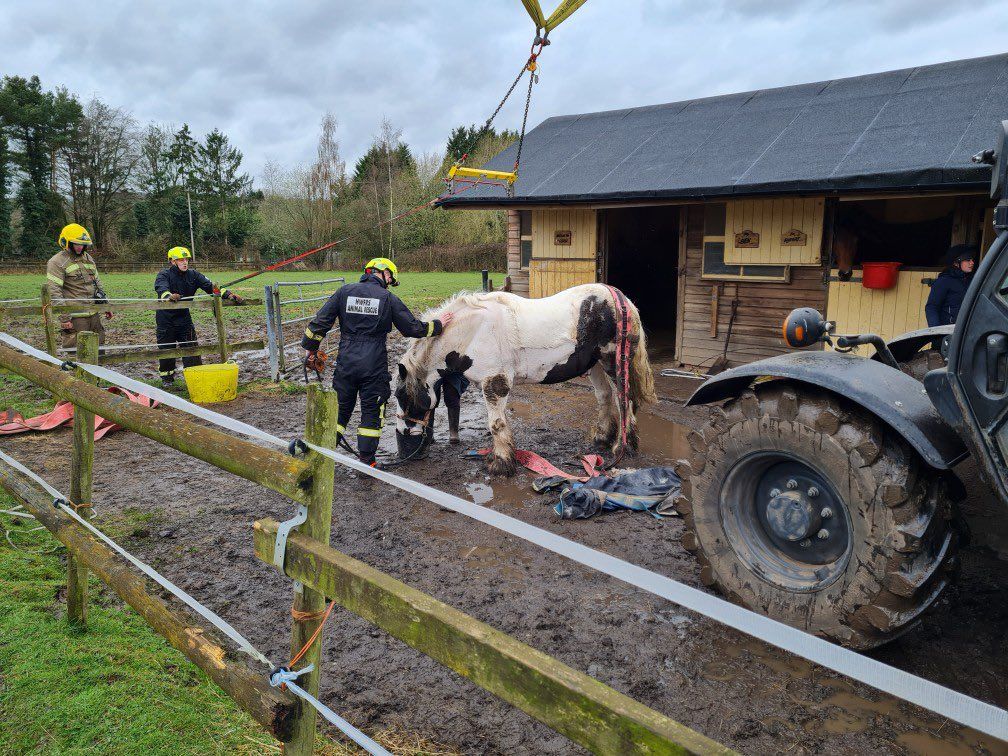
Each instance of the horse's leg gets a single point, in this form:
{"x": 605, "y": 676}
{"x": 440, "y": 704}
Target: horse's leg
{"x": 453, "y": 403}
{"x": 607, "y": 427}
{"x": 495, "y": 393}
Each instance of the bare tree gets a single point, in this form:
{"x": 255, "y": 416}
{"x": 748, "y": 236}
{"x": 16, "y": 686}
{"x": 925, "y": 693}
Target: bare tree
{"x": 98, "y": 167}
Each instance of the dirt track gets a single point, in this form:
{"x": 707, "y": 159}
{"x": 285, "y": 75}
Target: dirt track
{"x": 730, "y": 688}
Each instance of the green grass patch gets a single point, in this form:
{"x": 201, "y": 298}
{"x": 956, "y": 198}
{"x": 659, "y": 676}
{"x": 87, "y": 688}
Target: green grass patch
{"x": 118, "y": 688}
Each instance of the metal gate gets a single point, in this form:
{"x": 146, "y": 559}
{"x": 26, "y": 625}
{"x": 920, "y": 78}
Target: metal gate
{"x": 275, "y": 305}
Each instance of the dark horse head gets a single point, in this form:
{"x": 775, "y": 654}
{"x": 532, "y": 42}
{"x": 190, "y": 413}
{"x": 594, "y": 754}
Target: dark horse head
{"x": 417, "y": 400}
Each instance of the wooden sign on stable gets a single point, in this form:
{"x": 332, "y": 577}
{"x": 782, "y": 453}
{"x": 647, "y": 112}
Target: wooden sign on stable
{"x": 562, "y": 238}
{"x": 794, "y": 238}
{"x": 747, "y": 239}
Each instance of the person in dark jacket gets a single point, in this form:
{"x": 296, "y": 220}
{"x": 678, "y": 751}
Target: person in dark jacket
{"x": 949, "y": 289}
{"x": 175, "y": 328}
{"x": 366, "y": 312}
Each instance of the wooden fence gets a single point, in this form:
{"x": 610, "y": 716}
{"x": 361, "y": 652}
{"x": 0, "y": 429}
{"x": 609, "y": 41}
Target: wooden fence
{"x": 570, "y": 702}
{"x": 48, "y": 310}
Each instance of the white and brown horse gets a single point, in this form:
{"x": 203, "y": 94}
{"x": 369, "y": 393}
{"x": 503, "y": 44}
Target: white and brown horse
{"x": 498, "y": 340}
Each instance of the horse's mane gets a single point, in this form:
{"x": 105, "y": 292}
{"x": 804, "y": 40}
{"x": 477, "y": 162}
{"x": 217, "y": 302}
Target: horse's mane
{"x": 416, "y": 359}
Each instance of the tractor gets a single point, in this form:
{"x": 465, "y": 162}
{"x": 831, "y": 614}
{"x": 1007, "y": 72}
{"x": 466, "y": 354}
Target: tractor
{"x": 820, "y": 492}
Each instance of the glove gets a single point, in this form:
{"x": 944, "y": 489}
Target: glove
{"x": 108, "y": 316}
{"x": 67, "y": 325}
{"x": 237, "y": 299}
{"x": 175, "y": 297}
{"x": 316, "y": 361}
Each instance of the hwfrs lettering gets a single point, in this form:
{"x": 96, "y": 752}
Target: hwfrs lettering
{"x": 362, "y": 305}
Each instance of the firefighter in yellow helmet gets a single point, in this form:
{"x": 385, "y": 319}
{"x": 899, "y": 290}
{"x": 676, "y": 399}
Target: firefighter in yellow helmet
{"x": 175, "y": 329}
{"x": 366, "y": 312}
{"x": 72, "y": 274}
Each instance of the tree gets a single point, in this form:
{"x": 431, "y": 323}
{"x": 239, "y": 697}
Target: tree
{"x": 182, "y": 158}
{"x": 39, "y": 123}
{"x": 218, "y": 181}
{"x": 466, "y": 140}
{"x": 100, "y": 162}
{"x": 5, "y": 208}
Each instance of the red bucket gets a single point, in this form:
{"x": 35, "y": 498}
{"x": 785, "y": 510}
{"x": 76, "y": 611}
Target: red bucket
{"x": 879, "y": 275}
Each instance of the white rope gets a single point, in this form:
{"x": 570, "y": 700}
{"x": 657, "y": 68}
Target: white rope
{"x": 956, "y": 706}
{"x": 287, "y": 677}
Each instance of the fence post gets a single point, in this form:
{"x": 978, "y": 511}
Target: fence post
{"x": 47, "y": 321}
{"x": 274, "y": 366}
{"x": 320, "y": 429}
{"x": 81, "y": 477}
{"x": 218, "y": 312}
{"x": 486, "y": 280}
{"x": 278, "y": 314}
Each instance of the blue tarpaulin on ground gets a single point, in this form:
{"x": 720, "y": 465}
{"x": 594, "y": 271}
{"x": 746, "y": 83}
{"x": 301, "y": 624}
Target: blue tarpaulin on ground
{"x": 648, "y": 490}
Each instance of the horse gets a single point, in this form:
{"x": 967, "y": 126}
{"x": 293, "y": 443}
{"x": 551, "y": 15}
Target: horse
{"x": 499, "y": 340}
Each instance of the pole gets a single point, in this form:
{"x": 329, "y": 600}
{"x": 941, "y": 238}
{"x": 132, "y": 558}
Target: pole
{"x": 271, "y": 338}
{"x": 218, "y": 311}
{"x": 81, "y": 477}
{"x": 47, "y": 321}
{"x": 320, "y": 429}
{"x": 192, "y": 237}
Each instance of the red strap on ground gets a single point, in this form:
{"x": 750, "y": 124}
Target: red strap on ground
{"x": 592, "y": 464}
{"x": 12, "y": 422}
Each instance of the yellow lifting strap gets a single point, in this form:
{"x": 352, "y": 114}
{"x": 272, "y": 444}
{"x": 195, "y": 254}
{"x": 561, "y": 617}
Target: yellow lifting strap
{"x": 458, "y": 171}
{"x": 561, "y": 14}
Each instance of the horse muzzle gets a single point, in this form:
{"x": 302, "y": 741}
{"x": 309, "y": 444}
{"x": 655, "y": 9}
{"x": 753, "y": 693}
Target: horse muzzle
{"x": 414, "y": 441}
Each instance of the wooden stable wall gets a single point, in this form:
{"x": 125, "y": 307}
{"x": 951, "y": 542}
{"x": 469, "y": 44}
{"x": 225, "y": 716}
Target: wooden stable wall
{"x": 761, "y": 310}
{"x": 772, "y": 219}
{"x": 519, "y": 276}
{"x": 555, "y": 267}
{"x": 887, "y": 312}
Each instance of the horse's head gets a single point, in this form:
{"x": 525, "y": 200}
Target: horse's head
{"x": 416, "y": 398}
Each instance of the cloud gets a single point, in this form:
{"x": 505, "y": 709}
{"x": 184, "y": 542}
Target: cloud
{"x": 265, "y": 73}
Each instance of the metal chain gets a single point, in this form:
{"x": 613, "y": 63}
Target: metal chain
{"x": 521, "y": 137}
{"x": 490, "y": 120}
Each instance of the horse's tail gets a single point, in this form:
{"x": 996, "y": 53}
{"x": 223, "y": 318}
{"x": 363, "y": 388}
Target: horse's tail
{"x": 642, "y": 387}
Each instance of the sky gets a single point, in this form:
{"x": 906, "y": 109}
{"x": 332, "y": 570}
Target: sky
{"x": 266, "y": 73}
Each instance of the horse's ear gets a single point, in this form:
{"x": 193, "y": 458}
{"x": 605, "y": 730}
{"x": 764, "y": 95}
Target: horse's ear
{"x": 402, "y": 372}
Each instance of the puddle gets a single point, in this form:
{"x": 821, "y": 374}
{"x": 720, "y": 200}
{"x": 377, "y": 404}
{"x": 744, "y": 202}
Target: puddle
{"x": 662, "y": 439}
{"x": 480, "y": 493}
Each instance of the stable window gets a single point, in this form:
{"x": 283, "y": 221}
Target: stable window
{"x": 525, "y": 236}
{"x": 713, "y": 265}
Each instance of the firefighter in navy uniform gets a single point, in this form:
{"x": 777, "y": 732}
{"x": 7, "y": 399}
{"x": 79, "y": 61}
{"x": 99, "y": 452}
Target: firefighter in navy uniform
{"x": 175, "y": 328}
{"x": 366, "y": 312}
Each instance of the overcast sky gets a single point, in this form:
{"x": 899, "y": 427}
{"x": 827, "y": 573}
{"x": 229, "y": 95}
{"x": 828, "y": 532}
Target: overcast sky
{"x": 266, "y": 72}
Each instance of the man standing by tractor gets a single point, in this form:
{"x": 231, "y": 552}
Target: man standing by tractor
{"x": 72, "y": 274}
{"x": 366, "y": 312}
{"x": 949, "y": 289}
{"x": 175, "y": 328}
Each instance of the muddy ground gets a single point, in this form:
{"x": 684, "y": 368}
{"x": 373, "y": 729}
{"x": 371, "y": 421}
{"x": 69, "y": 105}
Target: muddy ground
{"x": 729, "y": 687}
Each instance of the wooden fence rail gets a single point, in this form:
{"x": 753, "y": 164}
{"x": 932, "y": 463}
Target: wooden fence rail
{"x": 47, "y": 308}
{"x": 572, "y": 703}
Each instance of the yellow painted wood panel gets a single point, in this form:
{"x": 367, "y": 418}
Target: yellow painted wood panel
{"x": 887, "y": 312}
{"x": 547, "y": 277}
{"x": 771, "y": 219}
{"x": 582, "y": 225}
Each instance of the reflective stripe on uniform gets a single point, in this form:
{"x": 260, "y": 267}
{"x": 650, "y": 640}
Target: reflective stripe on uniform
{"x": 163, "y": 373}
{"x": 340, "y": 428}
{"x": 55, "y": 279}
{"x": 166, "y": 295}
{"x": 430, "y": 328}
{"x": 72, "y": 268}
{"x": 369, "y": 432}
{"x": 312, "y": 336}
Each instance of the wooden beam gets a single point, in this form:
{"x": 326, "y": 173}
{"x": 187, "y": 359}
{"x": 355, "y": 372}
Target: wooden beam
{"x": 151, "y": 305}
{"x": 321, "y": 430}
{"x": 272, "y": 708}
{"x": 81, "y": 478}
{"x": 270, "y": 468}
{"x": 153, "y": 353}
{"x": 568, "y": 701}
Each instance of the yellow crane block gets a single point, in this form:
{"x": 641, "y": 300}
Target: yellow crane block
{"x": 458, "y": 171}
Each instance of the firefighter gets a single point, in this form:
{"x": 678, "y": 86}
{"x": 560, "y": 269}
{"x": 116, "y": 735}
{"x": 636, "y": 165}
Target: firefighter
{"x": 366, "y": 312}
{"x": 72, "y": 274}
{"x": 175, "y": 328}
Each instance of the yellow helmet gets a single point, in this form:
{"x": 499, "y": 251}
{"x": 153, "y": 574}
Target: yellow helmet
{"x": 179, "y": 253}
{"x": 74, "y": 233}
{"x": 383, "y": 263}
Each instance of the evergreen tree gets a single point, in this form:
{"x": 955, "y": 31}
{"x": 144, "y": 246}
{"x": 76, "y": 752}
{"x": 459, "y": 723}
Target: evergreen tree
{"x": 5, "y": 207}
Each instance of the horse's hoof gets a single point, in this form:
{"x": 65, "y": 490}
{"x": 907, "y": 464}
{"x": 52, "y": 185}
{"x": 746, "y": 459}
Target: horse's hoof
{"x": 454, "y": 440}
{"x": 501, "y": 466}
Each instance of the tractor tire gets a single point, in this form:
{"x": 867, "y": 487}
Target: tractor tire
{"x": 806, "y": 508}
{"x": 922, "y": 363}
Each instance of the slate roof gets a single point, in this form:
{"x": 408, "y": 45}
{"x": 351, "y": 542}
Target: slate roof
{"x": 913, "y": 129}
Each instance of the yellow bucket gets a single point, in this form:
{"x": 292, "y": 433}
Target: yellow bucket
{"x": 208, "y": 384}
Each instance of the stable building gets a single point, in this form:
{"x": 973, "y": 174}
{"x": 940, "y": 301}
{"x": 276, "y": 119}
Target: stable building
{"x": 718, "y": 216}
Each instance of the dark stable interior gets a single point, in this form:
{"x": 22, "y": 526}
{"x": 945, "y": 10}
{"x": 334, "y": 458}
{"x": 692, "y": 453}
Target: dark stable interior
{"x": 914, "y": 232}
{"x": 642, "y": 247}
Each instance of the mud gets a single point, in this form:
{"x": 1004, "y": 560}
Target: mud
{"x": 732, "y": 688}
